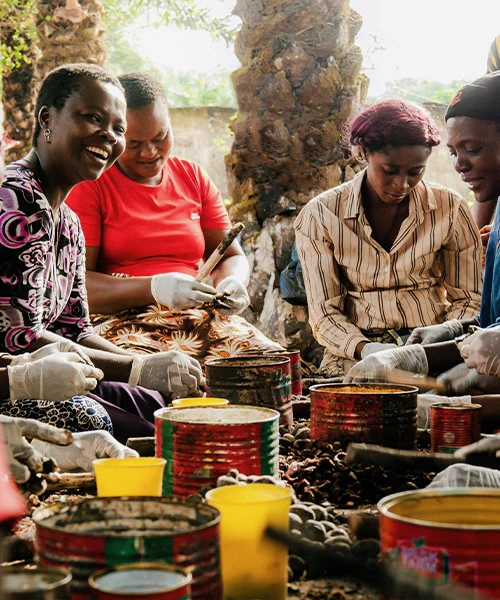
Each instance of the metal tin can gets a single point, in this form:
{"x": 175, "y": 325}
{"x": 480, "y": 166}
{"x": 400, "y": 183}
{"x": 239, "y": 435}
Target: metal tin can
{"x": 41, "y": 583}
{"x": 454, "y": 426}
{"x": 202, "y": 443}
{"x": 295, "y": 368}
{"x": 444, "y": 536}
{"x": 377, "y": 413}
{"x": 253, "y": 381}
{"x": 154, "y": 581}
{"x": 99, "y": 532}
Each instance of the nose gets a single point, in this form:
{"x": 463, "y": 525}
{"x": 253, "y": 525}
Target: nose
{"x": 110, "y": 134}
{"x": 148, "y": 149}
{"x": 400, "y": 184}
{"x": 461, "y": 163}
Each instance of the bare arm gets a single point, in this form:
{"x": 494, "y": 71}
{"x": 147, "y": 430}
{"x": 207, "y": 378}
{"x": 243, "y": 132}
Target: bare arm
{"x": 107, "y": 294}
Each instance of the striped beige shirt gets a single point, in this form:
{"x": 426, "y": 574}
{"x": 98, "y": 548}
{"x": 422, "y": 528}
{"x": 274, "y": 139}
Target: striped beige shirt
{"x": 432, "y": 272}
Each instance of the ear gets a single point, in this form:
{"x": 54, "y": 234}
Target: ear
{"x": 44, "y": 117}
{"x": 364, "y": 152}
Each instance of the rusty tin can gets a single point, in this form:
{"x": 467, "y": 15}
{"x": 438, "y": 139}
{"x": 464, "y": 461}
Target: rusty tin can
{"x": 154, "y": 581}
{"x": 454, "y": 426}
{"x": 202, "y": 443}
{"x": 41, "y": 583}
{"x": 377, "y": 413}
{"x": 100, "y": 532}
{"x": 444, "y": 536}
{"x": 295, "y": 368}
{"x": 253, "y": 381}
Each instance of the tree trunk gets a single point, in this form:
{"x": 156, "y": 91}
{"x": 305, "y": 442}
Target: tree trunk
{"x": 298, "y": 84}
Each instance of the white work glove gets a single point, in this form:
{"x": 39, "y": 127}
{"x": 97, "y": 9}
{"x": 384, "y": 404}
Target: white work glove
{"x": 463, "y": 475}
{"x": 86, "y": 447}
{"x": 237, "y": 296}
{"x": 22, "y": 456}
{"x": 171, "y": 373}
{"x": 377, "y": 366}
{"x": 424, "y": 402}
{"x": 462, "y": 380}
{"x": 448, "y": 330}
{"x": 488, "y": 445}
{"x": 481, "y": 351}
{"x": 55, "y": 377}
{"x": 62, "y": 346}
{"x": 374, "y": 347}
{"x": 179, "y": 291}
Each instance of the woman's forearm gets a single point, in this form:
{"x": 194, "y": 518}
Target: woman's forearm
{"x": 108, "y": 295}
{"x": 233, "y": 266}
{"x": 442, "y": 356}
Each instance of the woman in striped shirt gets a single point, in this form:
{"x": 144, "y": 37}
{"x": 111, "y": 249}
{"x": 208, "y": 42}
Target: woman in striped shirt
{"x": 387, "y": 251}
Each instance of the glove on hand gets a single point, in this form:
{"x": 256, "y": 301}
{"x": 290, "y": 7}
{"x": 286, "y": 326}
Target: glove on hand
{"x": 22, "y": 456}
{"x": 377, "y": 366}
{"x": 486, "y": 444}
{"x": 55, "y": 377}
{"x": 481, "y": 351}
{"x": 237, "y": 295}
{"x": 374, "y": 347}
{"x": 167, "y": 372}
{"x": 86, "y": 447}
{"x": 463, "y": 475}
{"x": 462, "y": 380}
{"x": 424, "y": 402}
{"x": 62, "y": 346}
{"x": 448, "y": 330}
{"x": 179, "y": 291}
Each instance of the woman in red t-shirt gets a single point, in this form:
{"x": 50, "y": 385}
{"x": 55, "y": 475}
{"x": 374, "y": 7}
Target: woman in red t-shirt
{"x": 151, "y": 219}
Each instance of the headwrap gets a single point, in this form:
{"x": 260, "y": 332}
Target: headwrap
{"x": 493, "y": 63}
{"x": 479, "y": 99}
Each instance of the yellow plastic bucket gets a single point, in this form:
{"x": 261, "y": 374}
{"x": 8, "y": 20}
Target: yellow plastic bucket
{"x": 252, "y": 566}
{"x": 200, "y": 402}
{"x": 141, "y": 476}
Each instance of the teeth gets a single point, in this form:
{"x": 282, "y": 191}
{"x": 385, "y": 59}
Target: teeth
{"x": 98, "y": 151}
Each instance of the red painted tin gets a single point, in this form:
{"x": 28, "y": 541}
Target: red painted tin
{"x": 202, "y": 443}
{"x": 454, "y": 426}
{"x": 253, "y": 381}
{"x": 154, "y": 581}
{"x": 445, "y": 536}
{"x": 378, "y": 413}
{"x": 100, "y": 532}
{"x": 41, "y": 583}
{"x": 295, "y": 368}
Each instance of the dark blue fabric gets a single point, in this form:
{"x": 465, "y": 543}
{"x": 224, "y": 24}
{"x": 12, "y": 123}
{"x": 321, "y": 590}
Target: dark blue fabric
{"x": 490, "y": 300}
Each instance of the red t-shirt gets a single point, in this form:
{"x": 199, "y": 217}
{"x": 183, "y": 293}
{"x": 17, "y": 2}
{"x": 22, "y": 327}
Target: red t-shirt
{"x": 144, "y": 230}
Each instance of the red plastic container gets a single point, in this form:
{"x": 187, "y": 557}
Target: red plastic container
{"x": 454, "y": 426}
{"x": 445, "y": 536}
{"x": 377, "y": 413}
{"x": 101, "y": 532}
{"x": 253, "y": 381}
{"x": 154, "y": 581}
{"x": 202, "y": 443}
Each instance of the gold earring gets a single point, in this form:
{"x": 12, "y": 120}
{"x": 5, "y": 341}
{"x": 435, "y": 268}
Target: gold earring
{"x": 46, "y": 133}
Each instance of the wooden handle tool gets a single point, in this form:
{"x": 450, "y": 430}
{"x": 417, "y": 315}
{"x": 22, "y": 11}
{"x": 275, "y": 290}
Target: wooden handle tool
{"x": 219, "y": 252}
{"x": 421, "y": 381}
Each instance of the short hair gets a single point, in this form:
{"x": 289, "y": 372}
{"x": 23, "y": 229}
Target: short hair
{"x": 61, "y": 82}
{"x": 142, "y": 89}
{"x": 394, "y": 123}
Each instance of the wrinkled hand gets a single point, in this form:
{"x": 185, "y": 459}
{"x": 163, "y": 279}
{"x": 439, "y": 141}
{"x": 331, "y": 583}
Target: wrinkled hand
{"x": 487, "y": 444}
{"x": 179, "y": 291}
{"x": 86, "y": 447}
{"x": 481, "y": 351}
{"x": 374, "y": 347}
{"x": 237, "y": 295}
{"x": 22, "y": 456}
{"x": 171, "y": 373}
{"x": 436, "y": 333}
{"x": 424, "y": 402}
{"x": 55, "y": 377}
{"x": 62, "y": 346}
{"x": 462, "y": 380}
{"x": 377, "y": 366}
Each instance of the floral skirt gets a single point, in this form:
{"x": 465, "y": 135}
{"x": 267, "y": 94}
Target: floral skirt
{"x": 200, "y": 333}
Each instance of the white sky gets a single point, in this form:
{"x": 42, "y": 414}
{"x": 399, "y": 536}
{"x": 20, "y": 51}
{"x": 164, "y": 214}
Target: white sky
{"x": 438, "y": 40}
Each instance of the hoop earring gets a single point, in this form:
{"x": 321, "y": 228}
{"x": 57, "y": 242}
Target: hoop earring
{"x": 46, "y": 133}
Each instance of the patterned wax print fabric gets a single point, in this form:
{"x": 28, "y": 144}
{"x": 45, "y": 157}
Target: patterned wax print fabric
{"x": 42, "y": 267}
{"x": 432, "y": 272}
{"x": 79, "y": 413}
{"x": 199, "y": 333}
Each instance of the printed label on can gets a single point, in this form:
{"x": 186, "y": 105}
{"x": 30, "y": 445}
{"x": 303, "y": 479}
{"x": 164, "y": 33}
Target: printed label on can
{"x": 426, "y": 561}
